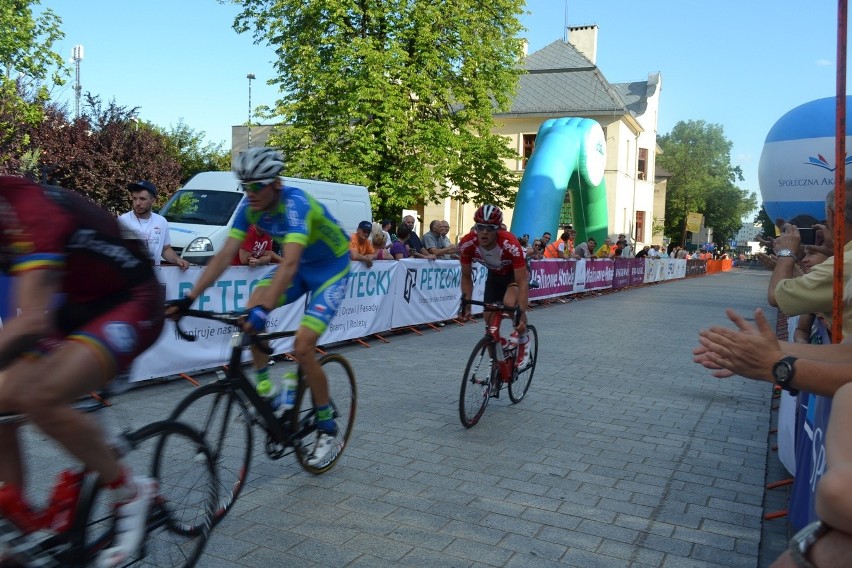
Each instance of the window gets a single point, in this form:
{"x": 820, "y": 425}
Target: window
{"x": 529, "y": 146}
{"x": 642, "y": 167}
{"x": 640, "y": 226}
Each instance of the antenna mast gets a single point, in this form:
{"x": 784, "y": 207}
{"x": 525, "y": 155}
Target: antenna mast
{"x": 77, "y": 57}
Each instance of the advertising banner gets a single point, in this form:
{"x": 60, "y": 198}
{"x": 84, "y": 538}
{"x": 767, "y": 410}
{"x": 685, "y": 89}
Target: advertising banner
{"x": 621, "y": 276}
{"x": 554, "y": 277}
{"x": 599, "y": 274}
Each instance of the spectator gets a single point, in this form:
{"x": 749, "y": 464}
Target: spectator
{"x": 586, "y": 249}
{"x": 644, "y": 252}
{"x": 606, "y": 250}
{"x": 536, "y": 250}
{"x": 415, "y": 245}
{"x": 378, "y": 238}
{"x": 256, "y": 249}
{"x": 149, "y": 227}
{"x": 436, "y": 241}
{"x": 812, "y": 327}
{"x": 654, "y": 251}
{"x": 389, "y": 237}
{"x": 557, "y": 249}
{"x": 400, "y": 248}
{"x": 360, "y": 247}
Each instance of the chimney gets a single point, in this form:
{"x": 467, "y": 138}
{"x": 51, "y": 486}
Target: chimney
{"x": 585, "y": 40}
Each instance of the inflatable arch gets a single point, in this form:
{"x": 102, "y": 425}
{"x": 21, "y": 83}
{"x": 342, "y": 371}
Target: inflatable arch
{"x": 569, "y": 155}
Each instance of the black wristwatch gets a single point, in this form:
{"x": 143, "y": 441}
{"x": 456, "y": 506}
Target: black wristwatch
{"x": 803, "y": 540}
{"x": 783, "y": 373}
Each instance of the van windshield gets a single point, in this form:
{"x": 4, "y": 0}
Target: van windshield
{"x": 201, "y": 207}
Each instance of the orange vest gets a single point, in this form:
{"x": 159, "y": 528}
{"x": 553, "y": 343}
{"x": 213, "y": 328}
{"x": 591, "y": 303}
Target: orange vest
{"x": 552, "y": 250}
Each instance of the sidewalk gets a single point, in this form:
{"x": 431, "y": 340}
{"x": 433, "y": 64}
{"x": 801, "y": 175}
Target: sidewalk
{"x": 624, "y": 452}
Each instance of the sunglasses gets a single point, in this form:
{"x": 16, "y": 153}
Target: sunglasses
{"x": 486, "y": 227}
{"x": 255, "y": 186}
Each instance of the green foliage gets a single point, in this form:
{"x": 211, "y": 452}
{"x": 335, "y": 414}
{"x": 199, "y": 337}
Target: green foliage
{"x": 189, "y": 148}
{"x": 698, "y": 156}
{"x": 397, "y": 95}
{"x": 26, "y": 42}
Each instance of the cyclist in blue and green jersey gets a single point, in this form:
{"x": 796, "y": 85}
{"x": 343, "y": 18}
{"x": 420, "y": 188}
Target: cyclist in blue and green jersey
{"x": 315, "y": 262}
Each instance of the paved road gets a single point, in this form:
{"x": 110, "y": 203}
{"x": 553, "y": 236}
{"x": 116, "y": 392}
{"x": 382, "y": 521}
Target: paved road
{"x": 624, "y": 452}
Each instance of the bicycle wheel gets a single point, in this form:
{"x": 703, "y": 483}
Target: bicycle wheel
{"x": 181, "y": 516}
{"x": 476, "y": 383}
{"x": 222, "y": 418}
{"x": 522, "y": 377}
{"x": 343, "y": 396}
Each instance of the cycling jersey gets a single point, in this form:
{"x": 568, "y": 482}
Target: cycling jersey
{"x": 504, "y": 258}
{"x": 324, "y": 266}
{"x": 109, "y": 297}
{"x": 299, "y": 218}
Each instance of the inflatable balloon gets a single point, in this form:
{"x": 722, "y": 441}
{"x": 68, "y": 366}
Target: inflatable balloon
{"x": 797, "y": 164}
{"x": 570, "y": 154}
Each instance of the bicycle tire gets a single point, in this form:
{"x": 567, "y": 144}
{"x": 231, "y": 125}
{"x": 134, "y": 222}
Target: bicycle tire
{"x": 343, "y": 394}
{"x": 182, "y": 515}
{"x": 476, "y": 383}
{"x": 221, "y": 417}
{"x": 522, "y": 378}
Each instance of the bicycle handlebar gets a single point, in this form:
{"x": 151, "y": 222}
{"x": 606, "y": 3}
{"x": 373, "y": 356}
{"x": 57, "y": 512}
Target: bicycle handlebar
{"x": 230, "y": 318}
{"x": 515, "y": 311}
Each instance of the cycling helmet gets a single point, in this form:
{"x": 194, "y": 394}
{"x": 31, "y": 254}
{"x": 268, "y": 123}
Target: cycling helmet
{"x": 490, "y": 214}
{"x": 259, "y": 164}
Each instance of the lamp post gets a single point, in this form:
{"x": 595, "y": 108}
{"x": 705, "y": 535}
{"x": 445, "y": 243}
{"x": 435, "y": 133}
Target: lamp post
{"x": 250, "y": 76}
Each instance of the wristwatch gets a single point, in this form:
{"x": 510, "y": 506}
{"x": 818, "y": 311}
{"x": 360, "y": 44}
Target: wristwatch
{"x": 783, "y": 373}
{"x": 785, "y": 252}
{"x": 803, "y": 540}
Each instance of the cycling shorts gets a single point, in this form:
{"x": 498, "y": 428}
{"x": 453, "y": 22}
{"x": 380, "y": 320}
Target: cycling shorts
{"x": 496, "y": 285}
{"x": 118, "y": 331}
{"x": 325, "y": 284}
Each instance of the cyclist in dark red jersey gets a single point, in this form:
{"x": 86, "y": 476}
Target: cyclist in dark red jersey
{"x": 508, "y": 280}
{"x": 87, "y": 303}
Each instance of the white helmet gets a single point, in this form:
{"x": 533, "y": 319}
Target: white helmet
{"x": 259, "y": 164}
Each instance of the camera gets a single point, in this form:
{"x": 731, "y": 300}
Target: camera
{"x": 808, "y": 235}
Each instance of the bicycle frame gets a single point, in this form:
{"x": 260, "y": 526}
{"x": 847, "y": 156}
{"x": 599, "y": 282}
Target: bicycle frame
{"x": 505, "y": 364}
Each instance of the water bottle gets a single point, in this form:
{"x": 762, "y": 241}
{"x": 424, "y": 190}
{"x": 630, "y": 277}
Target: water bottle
{"x": 287, "y": 398}
{"x": 268, "y": 389}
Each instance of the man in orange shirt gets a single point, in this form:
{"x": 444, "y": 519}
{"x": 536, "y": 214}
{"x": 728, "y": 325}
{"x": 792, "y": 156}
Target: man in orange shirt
{"x": 360, "y": 246}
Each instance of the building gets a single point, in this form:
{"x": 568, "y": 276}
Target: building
{"x": 563, "y": 80}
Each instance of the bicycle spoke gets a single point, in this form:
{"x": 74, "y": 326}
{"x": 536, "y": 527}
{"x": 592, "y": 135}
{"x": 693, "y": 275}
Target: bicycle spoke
{"x": 476, "y": 384}
{"x": 523, "y": 376}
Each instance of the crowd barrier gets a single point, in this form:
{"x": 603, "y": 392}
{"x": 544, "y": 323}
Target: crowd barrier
{"x": 386, "y": 296}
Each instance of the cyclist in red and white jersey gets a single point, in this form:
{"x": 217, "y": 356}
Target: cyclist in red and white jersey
{"x": 508, "y": 280}
{"x": 86, "y": 303}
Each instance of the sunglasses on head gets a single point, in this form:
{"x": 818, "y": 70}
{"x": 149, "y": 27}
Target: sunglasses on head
{"x": 255, "y": 186}
{"x": 486, "y": 227}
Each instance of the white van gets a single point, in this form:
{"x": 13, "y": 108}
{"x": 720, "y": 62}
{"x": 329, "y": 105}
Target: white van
{"x": 201, "y": 213}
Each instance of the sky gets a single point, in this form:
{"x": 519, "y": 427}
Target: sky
{"x": 741, "y": 65}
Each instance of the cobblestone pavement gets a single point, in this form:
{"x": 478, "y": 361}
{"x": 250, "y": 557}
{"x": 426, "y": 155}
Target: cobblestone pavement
{"x": 624, "y": 452}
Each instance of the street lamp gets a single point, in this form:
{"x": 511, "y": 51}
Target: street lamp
{"x": 250, "y": 76}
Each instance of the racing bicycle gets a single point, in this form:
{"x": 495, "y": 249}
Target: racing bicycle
{"x": 226, "y": 411}
{"x": 77, "y": 523}
{"x": 493, "y": 363}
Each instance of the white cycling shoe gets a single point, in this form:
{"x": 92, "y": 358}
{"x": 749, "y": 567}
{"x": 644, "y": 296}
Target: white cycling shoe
{"x": 131, "y": 518}
{"x": 325, "y": 450}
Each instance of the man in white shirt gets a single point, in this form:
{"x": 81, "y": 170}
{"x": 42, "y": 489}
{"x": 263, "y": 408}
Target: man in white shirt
{"x": 150, "y": 228}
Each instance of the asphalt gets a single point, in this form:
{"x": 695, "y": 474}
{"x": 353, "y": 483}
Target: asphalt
{"x": 623, "y": 454}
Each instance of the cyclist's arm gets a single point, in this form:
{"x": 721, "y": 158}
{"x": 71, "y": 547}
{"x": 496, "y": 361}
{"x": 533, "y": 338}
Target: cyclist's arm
{"x": 214, "y": 269}
{"x": 34, "y": 291}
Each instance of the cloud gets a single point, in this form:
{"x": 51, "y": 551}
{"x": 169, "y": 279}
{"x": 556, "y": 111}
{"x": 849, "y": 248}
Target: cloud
{"x": 823, "y": 63}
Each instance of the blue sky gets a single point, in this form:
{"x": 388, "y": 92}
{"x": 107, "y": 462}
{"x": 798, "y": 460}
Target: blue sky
{"x": 739, "y": 64}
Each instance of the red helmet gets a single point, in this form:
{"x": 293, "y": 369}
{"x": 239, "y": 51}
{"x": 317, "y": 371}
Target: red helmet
{"x": 490, "y": 214}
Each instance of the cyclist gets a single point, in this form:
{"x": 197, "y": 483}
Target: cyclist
{"x": 315, "y": 261}
{"x": 508, "y": 280}
{"x": 87, "y": 304}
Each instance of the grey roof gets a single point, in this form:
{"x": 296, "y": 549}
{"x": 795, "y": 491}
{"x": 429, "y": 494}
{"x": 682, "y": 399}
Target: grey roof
{"x": 561, "y": 80}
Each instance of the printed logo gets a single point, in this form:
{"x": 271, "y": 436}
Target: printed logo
{"x": 820, "y": 162}
{"x": 120, "y": 336}
{"x": 410, "y": 282}
{"x": 333, "y": 296}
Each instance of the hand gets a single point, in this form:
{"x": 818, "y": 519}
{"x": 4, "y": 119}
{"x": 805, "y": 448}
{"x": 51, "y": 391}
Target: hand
{"x": 749, "y": 352}
{"x": 183, "y": 264}
{"x": 789, "y": 239}
{"x": 256, "y": 320}
{"x": 175, "y": 308}
{"x": 700, "y": 357}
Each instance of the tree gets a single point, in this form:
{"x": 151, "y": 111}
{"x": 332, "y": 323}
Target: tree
{"x": 189, "y": 149}
{"x": 703, "y": 180}
{"x": 26, "y": 44}
{"x": 397, "y": 95}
